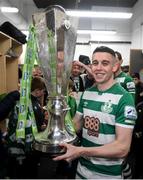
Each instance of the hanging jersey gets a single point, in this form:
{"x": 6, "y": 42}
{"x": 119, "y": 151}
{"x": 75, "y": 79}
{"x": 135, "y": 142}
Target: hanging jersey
{"x": 102, "y": 111}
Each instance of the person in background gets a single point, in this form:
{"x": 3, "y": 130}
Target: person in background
{"x": 75, "y": 77}
{"x": 6, "y": 105}
{"x": 137, "y": 140}
{"x": 106, "y": 114}
{"x": 87, "y": 76}
{"x": 78, "y": 86}
{"x": 85, "y": 60}
{"x": 33, "y": 158}
{"x": 123, "y": 78}
{"x": 139, "y": 88}
{"x": 23, "y": 161}
{"x": 37, "y": 72}
{"x": 37, "y": 91}
{"x": 126, "y": 81}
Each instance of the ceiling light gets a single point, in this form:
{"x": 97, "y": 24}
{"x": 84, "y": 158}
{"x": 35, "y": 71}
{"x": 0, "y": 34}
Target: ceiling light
{"x": 93, "y": 14}
{"x": 96, "y": 32}
{"x": 9, "y": 9}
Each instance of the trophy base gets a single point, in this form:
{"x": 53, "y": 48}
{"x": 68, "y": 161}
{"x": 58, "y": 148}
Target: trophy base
{"x": 51, "y": 149}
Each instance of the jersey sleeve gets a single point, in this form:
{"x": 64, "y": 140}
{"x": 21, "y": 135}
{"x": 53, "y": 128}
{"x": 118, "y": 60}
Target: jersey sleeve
{"x": 126, "y": 113}
{"x": 130, "y": 86}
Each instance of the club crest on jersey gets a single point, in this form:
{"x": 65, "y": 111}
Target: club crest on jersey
{"x": 85, "y": 104}
{"x": 107, "y": 107}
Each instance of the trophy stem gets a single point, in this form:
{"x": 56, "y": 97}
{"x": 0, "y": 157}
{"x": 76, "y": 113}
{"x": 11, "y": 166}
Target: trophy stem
{"x": 56, "y": 133}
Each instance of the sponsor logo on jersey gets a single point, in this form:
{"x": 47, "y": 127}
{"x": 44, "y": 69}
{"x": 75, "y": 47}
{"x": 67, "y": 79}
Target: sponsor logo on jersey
{"x": 130, "y": 85}
{"x": 92, "y": 125}
{"x": 107, "y": 107}
{"x": 130, "y": 112}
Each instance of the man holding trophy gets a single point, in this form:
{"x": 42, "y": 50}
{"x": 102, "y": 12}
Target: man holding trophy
{"x": 106, "y": 113}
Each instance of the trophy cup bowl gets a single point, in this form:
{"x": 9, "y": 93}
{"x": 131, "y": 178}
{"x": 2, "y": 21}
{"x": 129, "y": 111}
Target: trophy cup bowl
{"x": 56, "y": 39}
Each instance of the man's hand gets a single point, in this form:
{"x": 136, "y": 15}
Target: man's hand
{"x": 72, "y": 153}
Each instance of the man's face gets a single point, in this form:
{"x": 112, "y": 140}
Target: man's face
{"x": 75, "y": 70}
{"x": 103, "y": 67}
{"x": 39, "y": 92}
{"x": 36, "y": 72}
{"x": 136, "y": 80}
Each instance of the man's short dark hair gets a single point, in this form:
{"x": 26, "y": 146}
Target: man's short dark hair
{"x": 104, "y": 49}
{"x": 136, "y": 75}
{"x": 118, "y": 55}
{"x": 37, "y": 83}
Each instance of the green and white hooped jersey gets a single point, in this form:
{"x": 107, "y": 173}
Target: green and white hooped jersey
{"x": 102, "y": 111}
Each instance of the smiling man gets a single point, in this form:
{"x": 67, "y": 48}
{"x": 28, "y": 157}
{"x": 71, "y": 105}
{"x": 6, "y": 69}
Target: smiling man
{"x": 106, "y": 115}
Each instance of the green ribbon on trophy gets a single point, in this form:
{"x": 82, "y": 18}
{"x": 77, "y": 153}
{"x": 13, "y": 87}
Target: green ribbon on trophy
{"x": 26, "y": 126}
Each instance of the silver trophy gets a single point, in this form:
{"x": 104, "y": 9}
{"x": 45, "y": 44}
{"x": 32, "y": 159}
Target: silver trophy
{"x": 56, "y": 39}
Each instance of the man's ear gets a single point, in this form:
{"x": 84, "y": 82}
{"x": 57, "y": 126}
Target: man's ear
{"x": 121, "y": 61}
{"x": 116, "y": 67}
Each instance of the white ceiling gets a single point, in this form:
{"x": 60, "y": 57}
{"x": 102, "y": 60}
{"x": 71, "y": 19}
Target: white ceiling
{"x": 27, "y": 7}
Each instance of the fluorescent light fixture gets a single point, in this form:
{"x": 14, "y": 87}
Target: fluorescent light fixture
{"x": 96, "y": 32}
{"x": 95, "y": 14}
{"x": 9, "y": 9}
